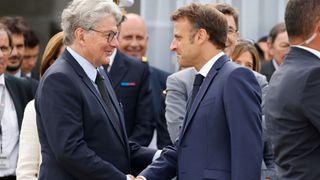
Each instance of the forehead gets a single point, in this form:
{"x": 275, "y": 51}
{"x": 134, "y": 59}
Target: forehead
{"x": 4, "y": 40}
{"x": 17, "y": 38}
{"x": 282, "y": 37}
{"x": 106, "y": 23}
{"x": 231, "y": 21}
{"x": 182, "y": 25}
{"x": 133, "y": 26}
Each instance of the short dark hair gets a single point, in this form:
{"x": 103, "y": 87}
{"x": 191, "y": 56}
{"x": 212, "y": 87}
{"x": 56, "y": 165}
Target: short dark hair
{"x": 15, "y": 24}
{"x": 275, "y": 31}
{"x": 227, "y": 9}
{"x": 5, "y": 29}
{"x": 204, "y": 17}
{"x": 31, "y": 40}
{"x": 301, "y": 17}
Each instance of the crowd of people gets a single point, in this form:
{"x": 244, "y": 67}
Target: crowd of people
{"x": 236, "y": 109}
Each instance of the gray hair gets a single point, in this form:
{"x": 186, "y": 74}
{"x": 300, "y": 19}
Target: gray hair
{"x": 84, "y": 14}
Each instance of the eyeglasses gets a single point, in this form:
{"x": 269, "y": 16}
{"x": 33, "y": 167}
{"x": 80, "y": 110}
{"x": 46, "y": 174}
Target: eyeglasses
{"x": 232, "y": 30}
{"x": 109, "y": 35}
{"x": 6, "y": 50}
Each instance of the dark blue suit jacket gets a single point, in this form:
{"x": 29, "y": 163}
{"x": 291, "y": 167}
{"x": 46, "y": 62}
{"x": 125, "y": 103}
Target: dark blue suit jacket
{"x": 131, "y": 82}
{"x": 78, "y": 138}
{"x": 221, "y": 135}
{"x": 158, "y": 85}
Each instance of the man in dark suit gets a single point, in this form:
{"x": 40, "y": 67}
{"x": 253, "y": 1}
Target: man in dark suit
{"x": 80, "y": 123}
{"x": 133, "y": 41}
{"x": 292, "y": 106}
{"x": 221, "y": 134}
{"x": 278, "y": 45}
{"x": 15, "y": 93}
{"x": 131, "y": 82}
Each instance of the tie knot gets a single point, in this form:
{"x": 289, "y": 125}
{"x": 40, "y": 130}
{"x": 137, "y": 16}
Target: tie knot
{"x": 99, "y": 77}
{"x": 198, "y": 80}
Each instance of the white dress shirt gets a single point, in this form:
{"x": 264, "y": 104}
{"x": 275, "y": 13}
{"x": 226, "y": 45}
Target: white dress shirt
{"x": 10, "y": 132}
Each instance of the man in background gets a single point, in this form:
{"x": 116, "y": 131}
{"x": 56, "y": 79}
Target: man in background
{"x": 31, "y": 53}
{"x": 133, "y": 41}
{"x": 278, "y": 43}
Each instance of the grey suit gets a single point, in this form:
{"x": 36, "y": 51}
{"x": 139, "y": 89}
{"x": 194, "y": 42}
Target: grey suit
{"x": 292, "y": 111}
{"x": 268, "y": 69}
{"x": 179, "y": 86}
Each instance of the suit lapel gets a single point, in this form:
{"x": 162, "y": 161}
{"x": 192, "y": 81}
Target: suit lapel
{"x": 191, "y": 108}
{"x": 68, "y": 57}
{"x": 14, "y": 96}
{"x": 118, "y": 69}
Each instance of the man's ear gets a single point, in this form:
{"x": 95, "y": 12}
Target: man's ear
{"x": 80, "y": 35}
{"x": 202, "y": 36}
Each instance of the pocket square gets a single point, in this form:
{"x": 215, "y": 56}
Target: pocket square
{"x": 128, "y": 84}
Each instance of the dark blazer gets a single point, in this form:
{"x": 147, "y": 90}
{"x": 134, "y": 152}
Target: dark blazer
{"x": 131, "y": 82}
{"x": 221, "y": 134}
{"x": 158, "y": 85}
{"x": 78, "y": 138}
{"x": 21, "y": 92}
{"x": 292, "y": 112}
{"x": 268, "y": 69}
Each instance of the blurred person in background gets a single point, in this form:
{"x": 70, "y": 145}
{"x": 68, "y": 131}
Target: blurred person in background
{"x": 31, "y": 53}
{"x": 15, "y": 93}
{"x": 278, "y": 43}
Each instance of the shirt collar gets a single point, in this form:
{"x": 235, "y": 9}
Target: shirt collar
{"x": 111, "y": 58}
{"x": 88, "y": 68}
{"x": 313, "y": 51}
{"x": 2, "y": 82}
{"x": 206, "y": 68}
{"x": 275, "y": 64}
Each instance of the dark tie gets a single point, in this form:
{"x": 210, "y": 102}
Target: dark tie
{"x": 107, "y": 100}
{"x": 196, "y": 85}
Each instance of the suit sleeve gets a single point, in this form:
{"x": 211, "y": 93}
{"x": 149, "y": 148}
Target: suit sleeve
{"x": 144, "y": 126}
{"x": 311, "y": 98}
{"x": 29, "y": 146}
{"x": 176, "y": 102}
{"x": 242, "y": 99}
{"x": 59, "y": 114}
{"x": 164, "y": 167}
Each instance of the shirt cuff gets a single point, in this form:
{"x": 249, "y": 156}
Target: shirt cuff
{"x": 156, "y": 155}
{"x": 141, "y": 177}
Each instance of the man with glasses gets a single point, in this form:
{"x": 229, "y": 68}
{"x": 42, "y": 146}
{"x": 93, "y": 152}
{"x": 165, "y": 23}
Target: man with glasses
{"x": 80, "y": 121}
{"x": 15, "y": 93}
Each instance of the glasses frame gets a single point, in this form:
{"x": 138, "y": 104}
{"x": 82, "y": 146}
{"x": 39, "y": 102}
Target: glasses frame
{"x": 109, "y": 35}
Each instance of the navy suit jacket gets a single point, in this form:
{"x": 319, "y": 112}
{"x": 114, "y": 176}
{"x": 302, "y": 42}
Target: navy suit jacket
{"x": 221, "y": 135}
{"x": 77, "y": 136}
{"x": 158, "y": 85}
{"x": 131, "y": 82}
{"x": 292, "y": 112}
{"x": 268, "y": 69}
{"x": 21, "y": 92}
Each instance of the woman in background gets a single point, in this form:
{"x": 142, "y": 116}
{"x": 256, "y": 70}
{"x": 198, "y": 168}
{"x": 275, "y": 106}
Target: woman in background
{"x": 29, "y": 159}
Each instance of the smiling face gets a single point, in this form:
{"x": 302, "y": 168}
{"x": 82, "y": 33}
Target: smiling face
{"x": 96, "y": 46}
{"x": 133, "y": 37}
{"x": 183, "y": 43}
{"x": 16, "y": 57}
{"x": 233, "y": 35}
